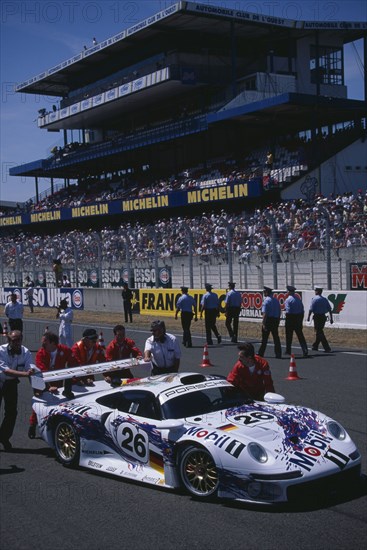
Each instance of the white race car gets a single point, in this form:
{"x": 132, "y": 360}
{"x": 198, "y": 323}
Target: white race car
{"x": 198, "y": 432}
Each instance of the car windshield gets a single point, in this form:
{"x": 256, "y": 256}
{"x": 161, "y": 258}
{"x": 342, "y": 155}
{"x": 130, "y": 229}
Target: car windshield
{"x": 204, "y": 401}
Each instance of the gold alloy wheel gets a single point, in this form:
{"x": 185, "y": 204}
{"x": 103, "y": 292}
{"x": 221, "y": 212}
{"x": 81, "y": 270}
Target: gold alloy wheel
{"x": 199, "y": 473}
{"x": 66, "y": 443}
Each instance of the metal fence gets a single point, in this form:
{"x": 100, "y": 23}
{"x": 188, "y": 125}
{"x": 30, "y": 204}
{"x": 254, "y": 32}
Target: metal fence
{"x": 328, "y": 267}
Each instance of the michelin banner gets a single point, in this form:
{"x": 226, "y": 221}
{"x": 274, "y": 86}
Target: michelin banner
{"x": 233, "y": 190}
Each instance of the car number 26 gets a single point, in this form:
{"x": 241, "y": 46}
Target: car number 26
{"x": 133, "y": 441}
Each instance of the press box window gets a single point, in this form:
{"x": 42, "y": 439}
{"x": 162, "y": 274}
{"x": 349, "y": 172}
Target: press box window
{"x": 330, "y": 68}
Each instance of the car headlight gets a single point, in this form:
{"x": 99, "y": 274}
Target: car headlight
{"x": 257, "y": 452}
{"x": 336, "y": 430}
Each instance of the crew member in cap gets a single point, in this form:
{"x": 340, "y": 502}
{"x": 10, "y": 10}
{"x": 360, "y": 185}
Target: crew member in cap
{"x": 210, "y": 306}
{"x": 233, "y": 301}
{"x": 270, "y": 323}
{"x": 65, "y": 314}
{"x": 294, "y": 313}
{"x": 88, "y": 352}
{"x": 162, "y": 349}
{"x": 187, "y": 305}
{"x": 320, "y": 307}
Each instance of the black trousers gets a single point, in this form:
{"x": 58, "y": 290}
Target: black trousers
{"x": 16, "y": 324}
{"x": 319, "y": 320}
{"x": 128, "y": 311}
{"x": 232, "y": 315}
{"x": 210, "y": 324}
{"x": 294, "y": 323}
{"x": 30, "y": 303}
{"x": 271, "y": 327}
{"x": 9, "y": 392}
{"x": 186, "y": 318}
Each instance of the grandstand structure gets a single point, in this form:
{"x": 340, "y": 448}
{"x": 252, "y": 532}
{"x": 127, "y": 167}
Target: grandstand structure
{"x": 196, "y": 96}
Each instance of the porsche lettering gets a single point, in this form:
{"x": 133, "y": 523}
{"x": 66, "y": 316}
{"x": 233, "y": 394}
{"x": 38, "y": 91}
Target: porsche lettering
{"x": 185, "y": 389}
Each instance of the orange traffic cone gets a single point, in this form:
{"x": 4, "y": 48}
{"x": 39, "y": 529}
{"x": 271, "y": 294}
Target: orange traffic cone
{"x": 5, "y": 328}
{"x": 292, "y": 375}
{"x": 101, "y": 340}
{"x": 206, "y": 361}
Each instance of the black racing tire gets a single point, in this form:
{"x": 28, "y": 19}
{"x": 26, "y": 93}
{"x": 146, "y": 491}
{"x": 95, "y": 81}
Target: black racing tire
{"x": 67, "y": 443}
{"x": 198, "y": 472}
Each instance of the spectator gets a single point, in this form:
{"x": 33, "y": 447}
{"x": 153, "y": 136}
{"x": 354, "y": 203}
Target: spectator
{"x": 57, "y": 269}
{"x": 29, "y": 285}
{"x": 162, "y": 349}
{"x": 269, "y": 160}
{"x": 66, "y": 315}
{"x": 119, "y": 348}
{"x": 65, "y": 282}
{"x": 251, "y": 373}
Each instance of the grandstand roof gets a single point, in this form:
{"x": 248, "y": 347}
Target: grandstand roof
{"x": 204, "y": 26}
{"x": 180, "y": 18}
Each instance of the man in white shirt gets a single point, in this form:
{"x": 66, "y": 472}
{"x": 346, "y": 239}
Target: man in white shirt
{"x": 162, "y": 349}
{"x": 14, "y": 311}
{"x": 15, "y": 362}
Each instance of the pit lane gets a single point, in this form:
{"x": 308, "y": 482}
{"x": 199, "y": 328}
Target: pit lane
{"x": 44, "y": 505}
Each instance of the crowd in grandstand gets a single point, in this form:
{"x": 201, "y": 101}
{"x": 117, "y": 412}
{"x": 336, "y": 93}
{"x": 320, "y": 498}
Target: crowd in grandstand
{"x": 296, "y": 151}
{"x": 298, "y": 226}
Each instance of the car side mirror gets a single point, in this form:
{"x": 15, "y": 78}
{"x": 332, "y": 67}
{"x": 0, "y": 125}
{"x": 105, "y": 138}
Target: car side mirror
{"x": 274, "y": 398}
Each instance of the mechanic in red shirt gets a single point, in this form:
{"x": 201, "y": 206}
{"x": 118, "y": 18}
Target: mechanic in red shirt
{"x": 120, "y": 348}
{"x": 52, "y": 356}
{"x": 251, "y": 373}
{"x": 88, "y": 352}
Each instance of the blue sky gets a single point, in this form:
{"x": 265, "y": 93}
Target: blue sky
{"x": 36, "y": 35}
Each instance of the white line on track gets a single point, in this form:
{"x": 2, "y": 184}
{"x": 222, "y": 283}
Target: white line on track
{"x": 354, "y": 353}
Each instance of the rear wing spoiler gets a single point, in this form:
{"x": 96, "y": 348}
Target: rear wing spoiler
{"x": 141, "y": 368}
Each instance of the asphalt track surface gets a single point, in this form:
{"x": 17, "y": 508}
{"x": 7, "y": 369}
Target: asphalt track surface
{"x": 45, "y": 506}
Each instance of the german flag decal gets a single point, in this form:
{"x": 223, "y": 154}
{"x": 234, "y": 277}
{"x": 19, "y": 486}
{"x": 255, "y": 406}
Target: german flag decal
{"x": 156, "y": 462}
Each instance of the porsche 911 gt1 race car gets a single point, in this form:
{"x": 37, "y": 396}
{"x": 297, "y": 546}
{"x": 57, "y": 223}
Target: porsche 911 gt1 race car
{"x": 198, "y": 432}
